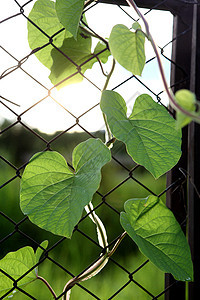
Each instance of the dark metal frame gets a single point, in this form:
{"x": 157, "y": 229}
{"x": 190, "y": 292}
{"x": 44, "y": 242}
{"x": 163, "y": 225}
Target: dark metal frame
{"x": 174, "y": 6}
{"x": 185, "y": 53}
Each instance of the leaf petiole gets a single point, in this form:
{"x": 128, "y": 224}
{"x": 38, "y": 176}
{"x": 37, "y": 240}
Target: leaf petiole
{"x": 48, "y": 286}
{"x": 109, "y": 75}
{"x": 88, "y": 32}
{"x": 109, "y": 133}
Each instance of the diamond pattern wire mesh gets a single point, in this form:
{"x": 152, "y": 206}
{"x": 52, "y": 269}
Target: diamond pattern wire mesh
{"x": 130, "y": 278}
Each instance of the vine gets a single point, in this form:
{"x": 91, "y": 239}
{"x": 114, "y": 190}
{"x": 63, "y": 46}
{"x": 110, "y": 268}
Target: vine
{"x": 51, "y": 191}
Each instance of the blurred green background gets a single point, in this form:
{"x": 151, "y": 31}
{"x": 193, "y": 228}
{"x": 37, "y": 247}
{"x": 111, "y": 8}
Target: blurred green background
{"x": 17, "y": 145}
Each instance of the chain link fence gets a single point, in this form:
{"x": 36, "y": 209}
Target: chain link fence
{"x": 34, "y": 117}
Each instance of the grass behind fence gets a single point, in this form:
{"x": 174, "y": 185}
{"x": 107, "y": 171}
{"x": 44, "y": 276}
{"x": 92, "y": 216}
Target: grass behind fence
{"x": 103, "y": 285}
{"x": 76, "y": 254}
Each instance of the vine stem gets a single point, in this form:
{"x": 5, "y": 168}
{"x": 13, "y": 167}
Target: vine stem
{"x": 109, "y": 75}
{"x": 104, "y": 88}
{"x": 111, "y": 252}
{"x": 94, "y": 269}
{"x": 88, "y": 2}
{"x": 48, "y": 286}
{"x": 100, "y": 263}
{"x": 101, "y": 231}
{"x": 171, "y": 96}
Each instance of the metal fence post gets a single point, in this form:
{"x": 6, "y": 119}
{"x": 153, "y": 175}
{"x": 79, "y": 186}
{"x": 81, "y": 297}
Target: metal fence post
{"x": 186, "y": 53}
{"x": 194, "y": 161}
{"x": 173, "y": 200}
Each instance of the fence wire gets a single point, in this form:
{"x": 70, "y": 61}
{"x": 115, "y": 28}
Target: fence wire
{"x": 25, "y": 100}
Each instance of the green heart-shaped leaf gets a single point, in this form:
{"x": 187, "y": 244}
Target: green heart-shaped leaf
{"x": 155, "y": 230}
{"x": 43, "y": 15}
{"x": 149, "y": 133}
{"x": 52, "y": 195}
{"x": 127, "y": 48}
{"x": 16, "y": 264}
{"x": 79, "y": 52}
{"x": 69, "y": 14}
